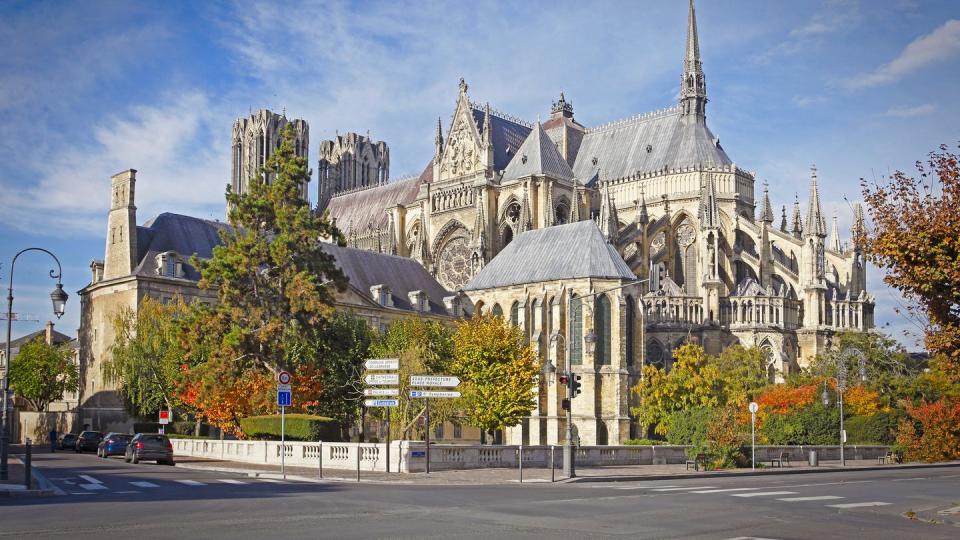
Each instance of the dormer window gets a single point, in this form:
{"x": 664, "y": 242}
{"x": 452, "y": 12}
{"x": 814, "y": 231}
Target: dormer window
{"x": 419, "y": 301}
{"x": 381, "y": 295}
{"x": 170, "y": 264}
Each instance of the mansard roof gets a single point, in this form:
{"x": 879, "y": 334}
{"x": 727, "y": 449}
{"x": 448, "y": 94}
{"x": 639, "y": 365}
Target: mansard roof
{"x": 402, "y": 275}
{"x": 574, "y": 250}
{"x": 645, "y": 144}
{"x": 365, "y": 210}
{"x": 507, "y": 133}
{"x": 537, "y": 155}
{"x": 184, "y": 235}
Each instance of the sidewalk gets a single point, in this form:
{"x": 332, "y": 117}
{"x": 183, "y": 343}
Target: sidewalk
{"x": 14, "y": 486}
{"x": 532, "y": 475}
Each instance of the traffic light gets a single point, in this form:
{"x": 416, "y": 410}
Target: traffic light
{"x": 565, "y": 404}
{"x": 564, "y": 380}
{"x": 575, "y": 386}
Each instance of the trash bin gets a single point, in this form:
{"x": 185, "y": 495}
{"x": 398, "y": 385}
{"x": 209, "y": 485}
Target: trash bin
{"x": 814, "y": 461}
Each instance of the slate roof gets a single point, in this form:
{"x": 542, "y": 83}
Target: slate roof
{"x": 185, "y": 235}
{"x": 621, "y": 148}
{"x": 58, "y": 338}
{"x": 365, "y": 210}
{"x": 505, "y": 133}
{"x": 574, "y": 250}
{"x": 401, "y": 274}
{"x": 537, "y": 155}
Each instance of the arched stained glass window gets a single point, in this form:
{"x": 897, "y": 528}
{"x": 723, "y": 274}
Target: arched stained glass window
{"x": 576, "y": 331}
{"x": 602, "y": 329}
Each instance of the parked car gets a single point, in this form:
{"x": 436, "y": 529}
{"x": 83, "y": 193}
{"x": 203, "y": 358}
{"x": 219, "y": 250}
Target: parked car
{"x": 150, "y": 447}
{"x": 88, "y": 440}
{"x": 68, "y": 440}
{"x": 114, "y": 444}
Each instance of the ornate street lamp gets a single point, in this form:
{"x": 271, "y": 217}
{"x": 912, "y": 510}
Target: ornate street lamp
{"x": 59, "y": 299}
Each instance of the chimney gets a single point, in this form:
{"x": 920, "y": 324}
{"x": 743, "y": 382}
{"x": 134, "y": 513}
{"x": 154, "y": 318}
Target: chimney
{"x": 49, "y": 332}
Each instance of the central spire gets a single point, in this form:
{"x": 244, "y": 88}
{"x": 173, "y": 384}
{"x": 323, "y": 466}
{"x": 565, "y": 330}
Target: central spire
{"x": 693, "y": 85}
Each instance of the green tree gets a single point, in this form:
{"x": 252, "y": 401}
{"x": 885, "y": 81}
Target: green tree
{"x": 499, "y": 372}
{"x": 41, "y": 373}
{"x": 424, "y": 348}
{"x": 146, "y": 356}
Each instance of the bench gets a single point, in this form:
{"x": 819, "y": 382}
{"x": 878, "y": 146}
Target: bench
{"x": 779, "y": 461}
{"x": 701, "y": 459}
{"x": 889, "y": 457}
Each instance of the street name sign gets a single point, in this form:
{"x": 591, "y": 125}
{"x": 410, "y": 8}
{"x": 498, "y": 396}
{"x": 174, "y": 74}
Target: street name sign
{"x": 434, "y": 394}
{"x": 381, "y": 392}
{"x": 382, "y": 363}
{"x": 381, "y": 402}
{"x": 382, "y": 378}
{"x": 434, "y": 380}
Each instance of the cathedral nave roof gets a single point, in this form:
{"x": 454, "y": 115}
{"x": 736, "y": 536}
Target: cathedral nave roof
{"x": 537, "y": 155}
{"x": 365, "y": 209}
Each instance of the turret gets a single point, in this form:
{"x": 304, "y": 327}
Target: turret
{"x": 766, "y": 211}
{"x": 693, "y": 85}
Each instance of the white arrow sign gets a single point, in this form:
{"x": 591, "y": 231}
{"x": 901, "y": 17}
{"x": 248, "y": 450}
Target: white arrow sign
{"x": 434, "y": 394}
{"x": 381, "y": 392}
{"x": 382, "y": 378}
{"x": 381, "y": 402}
{"x": 434, "y": 380}
{"x": 382, "y": 363}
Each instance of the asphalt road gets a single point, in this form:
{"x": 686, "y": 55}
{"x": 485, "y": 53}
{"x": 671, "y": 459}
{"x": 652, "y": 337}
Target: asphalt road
{"x": 152, "y": 501}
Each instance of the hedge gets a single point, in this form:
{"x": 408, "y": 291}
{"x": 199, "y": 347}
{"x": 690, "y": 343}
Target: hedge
{"x": 643, "y": 442}
{"x": 879, "y": 428}
{"x": 299, "y": 427}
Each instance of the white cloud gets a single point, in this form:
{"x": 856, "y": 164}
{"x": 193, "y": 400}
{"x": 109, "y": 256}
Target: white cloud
{"x": 181, "y": 167}
{"x": 937, "y": 46}
{"x": 909, "y": 112}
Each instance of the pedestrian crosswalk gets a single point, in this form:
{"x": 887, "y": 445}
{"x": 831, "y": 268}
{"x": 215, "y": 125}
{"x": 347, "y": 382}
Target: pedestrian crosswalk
{"x": 757, "y": 493}
{"x": 88, "y": 485}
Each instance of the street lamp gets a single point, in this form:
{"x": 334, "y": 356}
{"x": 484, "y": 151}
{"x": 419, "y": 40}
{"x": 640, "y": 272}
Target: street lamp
{"x": 59, "y": 299}
{"x": 569, "y": 465}
{"x": 841, "y": 378}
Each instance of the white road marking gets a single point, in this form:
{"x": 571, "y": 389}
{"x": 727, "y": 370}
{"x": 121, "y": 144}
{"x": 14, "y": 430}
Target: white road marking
{"x": 643, "y": 487}
{"x": 817, "y": 498}
{"x": 273, "y": 481}
{"x": 81, "y": 493}
{"x": 90, "y": 479}
{"x": 231, "y": 481}
{"x": 764, "y": 494}
{"x": 126, "y": 492}
{"x": 143, "y": 484}
{"x": 92, "y": 487}
{"x": 684, "y": 488}
{"x": 858, "y": 505}
{"x": 725, "y": 490}
{"x": 190, "y": 482}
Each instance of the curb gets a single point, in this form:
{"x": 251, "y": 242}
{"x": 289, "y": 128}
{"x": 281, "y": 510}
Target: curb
{"x": 767, "y": 472}
{"x": 44, "y": 487}
{"x": 278, "y": 476}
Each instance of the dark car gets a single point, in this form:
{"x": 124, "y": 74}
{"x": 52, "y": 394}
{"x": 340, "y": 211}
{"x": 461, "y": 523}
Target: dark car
{"x": 68, "y": 440}
{"x": 114, "y": 444}
{"x": 88, "y": 440}
{"x": 150, "y": 447}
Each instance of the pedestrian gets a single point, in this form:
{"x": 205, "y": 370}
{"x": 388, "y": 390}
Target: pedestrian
{"x": 53, "y": 440}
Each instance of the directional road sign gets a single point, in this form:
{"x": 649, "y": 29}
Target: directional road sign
{"x": 382, "y": 363}
{"x": 381, "y": 392}
{"x": 381, "y": 402}
{"x": 434, "y": 394}
{"x": 382, "y": 378}
{"x": 434, "y": 380}
{"x": 284, "y": 398}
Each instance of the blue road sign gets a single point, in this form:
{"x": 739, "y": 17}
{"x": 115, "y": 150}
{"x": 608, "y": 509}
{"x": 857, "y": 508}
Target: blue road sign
{"x": 284, "y": 399}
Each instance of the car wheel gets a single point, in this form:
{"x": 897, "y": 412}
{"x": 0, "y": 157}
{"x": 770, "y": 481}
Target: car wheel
{"x": 134, "y": 459}
{"x": 127, "y": 459}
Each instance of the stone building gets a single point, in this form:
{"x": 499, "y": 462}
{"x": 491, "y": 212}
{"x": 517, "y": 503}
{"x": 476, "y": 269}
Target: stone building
{"x": 664, "y": 195}
{"x": 350, "y": 162}
{"x": 254, "y": 141}
{"x": 153, "y": 260}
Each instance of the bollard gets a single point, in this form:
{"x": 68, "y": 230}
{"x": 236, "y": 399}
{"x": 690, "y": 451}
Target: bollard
{"x": 520, "y": 460}
{"x": 27, "y": 472}
{"x": 358, "y": 462}
{"x": 553, "y": 468}
{"x": 320, "y": 460}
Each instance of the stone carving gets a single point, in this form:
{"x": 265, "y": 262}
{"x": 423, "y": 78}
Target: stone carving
{"x": 463, "y": 156}
{"x": 454, "y": 264}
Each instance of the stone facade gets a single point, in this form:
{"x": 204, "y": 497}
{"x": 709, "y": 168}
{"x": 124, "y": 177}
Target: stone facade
{"x": 350, "y": 162}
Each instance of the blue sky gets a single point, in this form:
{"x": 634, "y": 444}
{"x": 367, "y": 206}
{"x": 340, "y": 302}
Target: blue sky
{"x": 87, "y": 89}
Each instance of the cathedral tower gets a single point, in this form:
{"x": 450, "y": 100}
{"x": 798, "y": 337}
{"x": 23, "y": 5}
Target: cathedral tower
{"x": 254, "y": 141}
{"x": 350, "y": 162}
{"x": 693, "y": 85}
{"x": 121, "y": 252}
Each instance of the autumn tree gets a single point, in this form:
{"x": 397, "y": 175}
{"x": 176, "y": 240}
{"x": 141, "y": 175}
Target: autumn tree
{"x": 916, "y": 240}
{"x": 274, "y": 287}
{"x": 498, "y": 369}
{"x": 41, "y": 373}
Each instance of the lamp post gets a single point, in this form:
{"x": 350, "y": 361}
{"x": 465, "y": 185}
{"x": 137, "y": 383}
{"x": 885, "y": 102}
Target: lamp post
{"x": 59, "y": 299}
{"x": 841, "y": 378}
{"x": 569, "y": 465}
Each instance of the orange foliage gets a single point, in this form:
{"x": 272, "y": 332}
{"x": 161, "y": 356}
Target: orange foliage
{"x": 862, "y": 401}
{"x": 782, "y": 399}
{"x": 933, "y": 431}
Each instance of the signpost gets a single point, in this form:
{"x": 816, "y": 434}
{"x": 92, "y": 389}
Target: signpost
{"x": 434, "y": 380}
{"x": 381, "y": 364}
{"x": 382, "y": 378}
{"x": 753, "y": 433}
{"x": 164, "y": 420}
{"x": 443, "y": 381}
{"x": 284, "y": 400}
